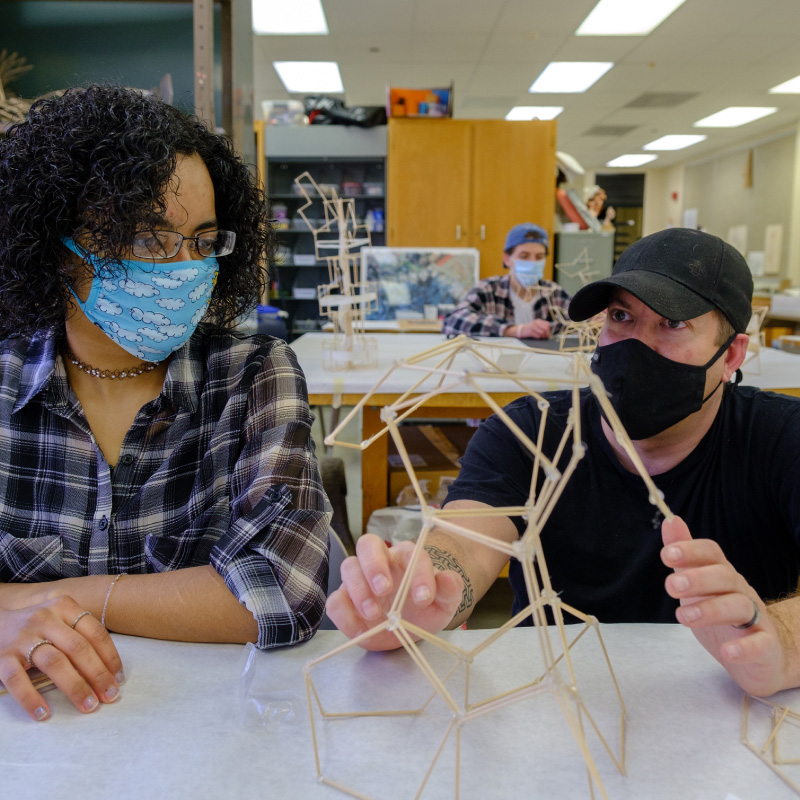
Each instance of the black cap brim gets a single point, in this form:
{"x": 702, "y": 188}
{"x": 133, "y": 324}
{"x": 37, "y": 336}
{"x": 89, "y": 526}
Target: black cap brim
{"x": 666, "y": 296}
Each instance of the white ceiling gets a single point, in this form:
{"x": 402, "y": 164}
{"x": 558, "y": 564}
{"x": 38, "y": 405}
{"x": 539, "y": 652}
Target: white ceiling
{"x": 725, "y": 52}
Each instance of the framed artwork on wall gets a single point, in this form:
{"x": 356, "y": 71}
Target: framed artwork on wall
{"x": 412, "y": 281}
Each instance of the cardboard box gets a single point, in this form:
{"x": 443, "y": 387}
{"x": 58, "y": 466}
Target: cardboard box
{"x": 434, "y": 452}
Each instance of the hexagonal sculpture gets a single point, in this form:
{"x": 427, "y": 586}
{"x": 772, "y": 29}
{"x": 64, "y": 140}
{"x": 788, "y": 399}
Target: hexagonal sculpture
{"x": 452, "y": 687}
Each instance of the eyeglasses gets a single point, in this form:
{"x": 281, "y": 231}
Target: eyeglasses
{"x": 160, "y": 245}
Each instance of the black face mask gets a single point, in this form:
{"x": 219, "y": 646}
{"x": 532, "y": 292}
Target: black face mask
{"x": 649, "y": 392}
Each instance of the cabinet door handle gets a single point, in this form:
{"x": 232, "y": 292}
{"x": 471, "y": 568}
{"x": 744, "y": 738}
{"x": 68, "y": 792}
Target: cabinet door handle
{"x": 458, "y": 233}
{"x": 483, "y": 233}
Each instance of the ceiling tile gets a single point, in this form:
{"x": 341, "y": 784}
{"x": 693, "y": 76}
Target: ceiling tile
{"x": 725, "y": 52}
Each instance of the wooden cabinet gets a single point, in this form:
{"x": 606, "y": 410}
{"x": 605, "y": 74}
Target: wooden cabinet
{"x": 465, "y": 183}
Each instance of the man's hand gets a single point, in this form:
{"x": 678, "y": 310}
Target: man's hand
{"x": 536, "y": 329}
{"x": 81, "y": 660}
{"x": 370, "y": 581}
{"x": 715, "y": 598}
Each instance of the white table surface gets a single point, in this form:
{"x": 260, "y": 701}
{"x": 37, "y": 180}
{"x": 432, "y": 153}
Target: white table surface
{"x": 771, "y": 369}
{"x": 178, "y": 730}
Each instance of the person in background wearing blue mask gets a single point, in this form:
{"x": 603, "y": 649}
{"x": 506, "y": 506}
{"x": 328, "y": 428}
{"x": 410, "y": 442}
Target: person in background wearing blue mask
{"x": 157, "y": 473}
{"x": 518, "y": 303}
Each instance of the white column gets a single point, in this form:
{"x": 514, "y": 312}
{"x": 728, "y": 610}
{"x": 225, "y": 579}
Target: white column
{"x": 793, "y": 234}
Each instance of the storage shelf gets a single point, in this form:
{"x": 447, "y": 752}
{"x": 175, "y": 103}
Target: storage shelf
{"x": 279, "y": 166}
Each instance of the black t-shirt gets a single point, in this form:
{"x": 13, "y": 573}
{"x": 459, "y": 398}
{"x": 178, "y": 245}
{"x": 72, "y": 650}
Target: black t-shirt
{"x": 740, "y": 487}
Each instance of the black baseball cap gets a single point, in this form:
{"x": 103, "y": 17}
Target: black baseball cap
{"x": 680, "y": 273}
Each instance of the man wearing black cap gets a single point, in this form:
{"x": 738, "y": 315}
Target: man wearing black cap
{"x": 727, "y": 459}
{"x": 518, "y": 303}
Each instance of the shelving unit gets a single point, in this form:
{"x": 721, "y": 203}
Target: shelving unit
{"x": 334, "y": 156}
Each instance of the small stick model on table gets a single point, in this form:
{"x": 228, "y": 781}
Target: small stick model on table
{"x": 346, "y": 298}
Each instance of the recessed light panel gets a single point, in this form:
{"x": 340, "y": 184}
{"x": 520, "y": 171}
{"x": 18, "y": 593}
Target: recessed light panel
{"x": 626, "y": 17}
{"x": 570, "y": 76}
{"x": 289, "y": 18}
{"x": 534, "y": 112}
{"x": 674, "y": 142}
{"x": 631, "y": 160}
{"x": 791, "y": 86}
{"x": 309, "y": 76}
{"x": 734, "y": 116}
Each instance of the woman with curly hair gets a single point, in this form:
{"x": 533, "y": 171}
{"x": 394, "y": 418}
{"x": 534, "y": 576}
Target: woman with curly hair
{"x": 157, "y": 474}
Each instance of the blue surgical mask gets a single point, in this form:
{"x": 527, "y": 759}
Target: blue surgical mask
{"x": 154, "y": 308}
{"x": 529, "y": 273}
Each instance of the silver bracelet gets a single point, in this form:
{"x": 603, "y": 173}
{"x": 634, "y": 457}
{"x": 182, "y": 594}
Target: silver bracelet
{"x": 108, "y": 595}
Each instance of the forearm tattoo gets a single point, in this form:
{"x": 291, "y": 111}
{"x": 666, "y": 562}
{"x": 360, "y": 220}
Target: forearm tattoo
{"x": 443, "y": 560}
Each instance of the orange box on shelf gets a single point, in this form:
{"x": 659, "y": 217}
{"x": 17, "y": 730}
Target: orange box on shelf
{"x": 419, "y": 102}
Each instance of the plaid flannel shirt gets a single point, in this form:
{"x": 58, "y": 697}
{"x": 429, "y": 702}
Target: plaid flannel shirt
{"x": 219, "y": 469}
{"x": 488, "y": 310}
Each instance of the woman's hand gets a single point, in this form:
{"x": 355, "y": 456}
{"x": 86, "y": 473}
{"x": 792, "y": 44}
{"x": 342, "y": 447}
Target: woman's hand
{"x": 69, "y": 646}
{"x": 370, "y": 582}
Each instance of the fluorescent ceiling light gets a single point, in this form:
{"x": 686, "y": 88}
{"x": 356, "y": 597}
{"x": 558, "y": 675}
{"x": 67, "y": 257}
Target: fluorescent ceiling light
{"x": 787, "y": 87}
{"x": 534, "y": 112}
{"x": 626, "y": 17}
{"x": 289, "y": 17}
{"x": 631, "y": 160}
{"x": 309, "y": 76}
{"x": 570, "y": 76}
{"x": 734, "y": 116}
{"x": 675, "y": 142}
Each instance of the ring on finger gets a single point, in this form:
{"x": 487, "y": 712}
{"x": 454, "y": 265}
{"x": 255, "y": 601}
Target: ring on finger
{"x": 33, "y": 650}
{"x": 79, "y": 618}
{"x": 753, "y": 621}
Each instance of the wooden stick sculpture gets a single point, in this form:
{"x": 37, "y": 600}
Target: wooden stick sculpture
{"x": 756, "y": 337}
{"x": 464, "y": 364}
{"x": 782, "y": 719}
{"x": 579, "y": 267}
{"x": 346, "y": 298}
{"x": 586, "y": 331}
{"x": 12, "y": 107}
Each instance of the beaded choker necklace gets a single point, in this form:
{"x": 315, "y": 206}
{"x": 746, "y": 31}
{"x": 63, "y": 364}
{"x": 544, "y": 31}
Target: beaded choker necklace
{"x": 129, "y": 372}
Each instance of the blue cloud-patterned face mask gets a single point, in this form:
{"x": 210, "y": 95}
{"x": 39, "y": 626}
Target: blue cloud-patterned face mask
{"x": 153, "y": 309}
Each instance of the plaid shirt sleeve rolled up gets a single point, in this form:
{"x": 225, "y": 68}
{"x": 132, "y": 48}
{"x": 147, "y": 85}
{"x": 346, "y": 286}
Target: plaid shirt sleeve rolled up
{"x": 219, "y": 469}
{"x": 487, "y": 309}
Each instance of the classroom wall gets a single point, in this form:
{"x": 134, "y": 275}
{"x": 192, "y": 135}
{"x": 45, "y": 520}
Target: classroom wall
{"x": 663, "y": 199}
{"x": 751, "y": 187}
{"x": 755, "y": 184}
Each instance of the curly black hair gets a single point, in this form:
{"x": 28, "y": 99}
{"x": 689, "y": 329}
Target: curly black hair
{"x": 97, "y": 161}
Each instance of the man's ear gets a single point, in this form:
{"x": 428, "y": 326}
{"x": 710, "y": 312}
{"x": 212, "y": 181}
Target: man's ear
{"x": 734, "y": 356}
{"x": 508, "y": 262}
